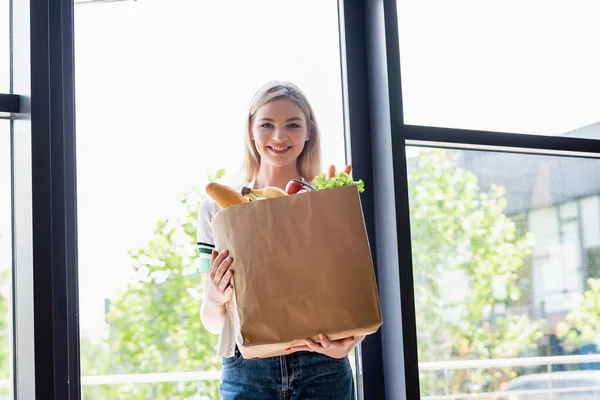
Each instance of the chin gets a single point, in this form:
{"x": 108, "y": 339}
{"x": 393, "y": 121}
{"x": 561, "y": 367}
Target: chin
{"x": 279, "y": 163}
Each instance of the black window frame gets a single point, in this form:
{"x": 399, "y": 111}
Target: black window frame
{"x": 376, "y": 143}
{"x": 9, "y": 105}
{"x": 54, "y": 206}
{"x": 378, "y": 137}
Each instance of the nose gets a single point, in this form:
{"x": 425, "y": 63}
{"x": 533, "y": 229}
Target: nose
{"x": 279, "y": 134}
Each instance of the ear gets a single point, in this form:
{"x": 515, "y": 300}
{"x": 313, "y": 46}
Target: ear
{"x": 251, "y": 136}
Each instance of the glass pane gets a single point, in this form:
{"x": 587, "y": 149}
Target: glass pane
{"x": 161, "y": 101}
{"x": 523, "y": 67}
{"x": 590, "y": 206}
{"x": 5, "y": 262}
{"x": 505, "y": 259}
{"x": 4, "y": 47}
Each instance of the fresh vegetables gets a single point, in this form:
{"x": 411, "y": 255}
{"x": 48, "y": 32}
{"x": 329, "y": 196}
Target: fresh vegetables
{"x": 326, "y": 180}
{"x": 226, "y": 197}
{"x": 342, "y": 178}
{"x": 293, "y": 187}
{"x": 331, "y": 172}
{"x": 299, "y": 186}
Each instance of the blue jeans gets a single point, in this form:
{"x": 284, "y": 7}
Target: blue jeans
{"x": 301, "y": 375}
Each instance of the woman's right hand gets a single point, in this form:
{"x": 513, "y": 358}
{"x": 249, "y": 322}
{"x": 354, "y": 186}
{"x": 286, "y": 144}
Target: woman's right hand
{"x": 220, "y": 289}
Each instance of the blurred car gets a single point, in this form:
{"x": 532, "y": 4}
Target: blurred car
{"x": 569, "y": 385}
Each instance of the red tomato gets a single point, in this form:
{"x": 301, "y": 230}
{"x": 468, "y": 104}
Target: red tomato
{"x": 293, "y": 187}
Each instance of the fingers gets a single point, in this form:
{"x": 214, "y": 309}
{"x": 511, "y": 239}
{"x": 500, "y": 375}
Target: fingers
{"x": 345, "y": 342}
{"x": 314, "y": 346}
{"x": 325, "y": 342}
{"x": 216, "y": 260}
{"x": 212, "y": 269}
{"x": 225, "y": 281}
{"x": 294, "y": 349}
{"x": 228, "y": 293}
{"x": 333, "y": 348}
{"x": 223, "y": 266}
{"x": 309, "y": 346}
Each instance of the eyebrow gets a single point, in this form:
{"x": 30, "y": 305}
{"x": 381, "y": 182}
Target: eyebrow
{"x": 289, "y": 120}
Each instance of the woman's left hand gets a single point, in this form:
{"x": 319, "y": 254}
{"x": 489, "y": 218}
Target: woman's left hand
{"x": 332, "y": 348}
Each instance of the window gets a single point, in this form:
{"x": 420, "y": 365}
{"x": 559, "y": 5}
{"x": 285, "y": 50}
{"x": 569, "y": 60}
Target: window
{"x": 4, "y": 47}
{"x": 593, "y": 259}
{"x": 153, "y": 76}
{"x": 5, "y": 262}
{"x": 590, "y": 207}
{"x": 134, "y": 161}
{"x": 510, "y": 67}
{"x": 470, "y": 257}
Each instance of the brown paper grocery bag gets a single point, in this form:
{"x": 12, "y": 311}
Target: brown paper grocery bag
{"x": 302, "y": 266}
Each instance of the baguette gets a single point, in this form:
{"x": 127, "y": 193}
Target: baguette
{"x": 224, "y": 196}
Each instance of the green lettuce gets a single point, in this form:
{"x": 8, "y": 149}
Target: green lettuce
{"x": 340, "y": 179}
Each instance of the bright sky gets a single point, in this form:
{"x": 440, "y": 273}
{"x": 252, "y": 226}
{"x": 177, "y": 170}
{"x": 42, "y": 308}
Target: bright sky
{"x": 4, "y": 48}
{"x": 510, "y": 66}
{"x": 163, "y": 89}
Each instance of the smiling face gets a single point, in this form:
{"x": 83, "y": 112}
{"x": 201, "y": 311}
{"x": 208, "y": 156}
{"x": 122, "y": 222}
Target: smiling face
{"x": 279, "y": 131}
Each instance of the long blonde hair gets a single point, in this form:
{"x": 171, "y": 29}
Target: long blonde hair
{"x": 309, "y": 160}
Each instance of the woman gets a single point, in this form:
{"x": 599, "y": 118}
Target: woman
{"x": 282, "y": 143}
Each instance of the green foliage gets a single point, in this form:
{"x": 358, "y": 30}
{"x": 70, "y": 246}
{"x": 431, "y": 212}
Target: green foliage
{"x": 218, "y": 175}
{"x": 340, "y": 179}
{"x": 583, "y": 321}
{"x": 155, "y": 322}
{"x": 5, "y": 324}
{"x": 5, "y": 283}
{"x": 466, "y": 257}
{"x": 95, "y": 361}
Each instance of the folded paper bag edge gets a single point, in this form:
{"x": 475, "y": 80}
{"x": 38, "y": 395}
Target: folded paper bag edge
{"x": 277, "y": 349}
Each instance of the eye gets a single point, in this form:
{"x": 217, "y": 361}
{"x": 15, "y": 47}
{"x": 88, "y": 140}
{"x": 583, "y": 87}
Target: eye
{"x": 294, "y": 126}
{"x": 266, "y": 125}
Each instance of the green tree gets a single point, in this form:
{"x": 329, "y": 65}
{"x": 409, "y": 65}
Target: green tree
{"x": 582, "y": 325}
{"x": 466, "y": 255}
{"x": 155, "y": 322}
{"x": 95, "y": 361}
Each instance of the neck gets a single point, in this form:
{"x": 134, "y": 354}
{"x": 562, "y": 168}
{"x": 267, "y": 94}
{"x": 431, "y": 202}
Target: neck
{"x": 276, "y": 176}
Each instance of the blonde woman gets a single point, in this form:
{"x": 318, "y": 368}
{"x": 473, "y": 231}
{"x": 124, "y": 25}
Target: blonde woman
{"x": 282, "y": 143}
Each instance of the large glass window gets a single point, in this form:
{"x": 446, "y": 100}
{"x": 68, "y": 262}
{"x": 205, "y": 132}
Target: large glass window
{"x": 510, "y": 67}
{"x": 5, "y": 262}
{"x": 4, "y": 46}
{"x": 162, "y": 96}
{"x": 506, "y": 267}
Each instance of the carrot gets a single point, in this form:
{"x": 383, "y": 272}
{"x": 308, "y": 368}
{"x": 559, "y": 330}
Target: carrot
{"x": 348, "y": 169}
{"x": 331, "y": 172}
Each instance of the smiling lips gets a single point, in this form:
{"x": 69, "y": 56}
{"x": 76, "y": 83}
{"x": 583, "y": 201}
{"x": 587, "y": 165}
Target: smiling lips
{"x": 279, "y": 150}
